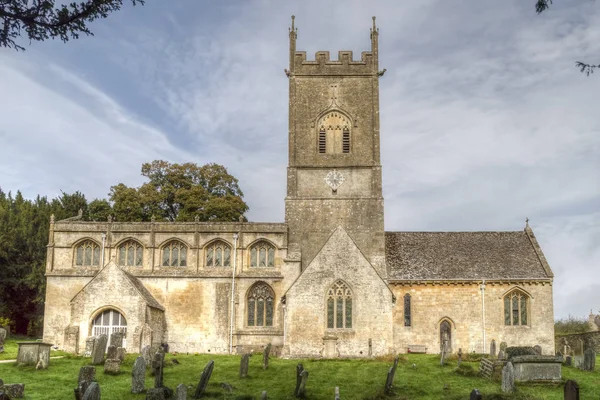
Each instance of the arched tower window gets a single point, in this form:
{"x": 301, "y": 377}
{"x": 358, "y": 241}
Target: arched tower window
{"x": 130, "y": 253}
{"x": 262, "y": 254}
{"x": 260, "y": 305}
{"x": 339, "y": 306}
{"x": 407, "y": 311}
{"x": 174, "y": 254}
{"x": 516, "y": 308}
{"x": 334, "y": 133}
{"x": 218, "y": 254}
{"x": 87, "y": 254}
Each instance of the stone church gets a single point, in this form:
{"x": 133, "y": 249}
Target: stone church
{"x": 327, "y": 282}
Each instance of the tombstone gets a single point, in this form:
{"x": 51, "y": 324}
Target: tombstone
{"x": 121, "y": 352}
{"x": 155, "y": 394}
{"x": 157, "y": 368}
{"x": 111, "y": 352}
{"x": 389, "y": 382}
{"x": 569, "y": 361}
{"x": 571, "y": 391}
{"x": 337, "y": 393}
{"x": 15, "y": 390}
{"x": 164, "y": 347}
{"x": 263, "y": 395}
{"x": 493, "y": 348}
{"x": 99, "y": 348}
{"x": 181, "y": 392}
{"x": 559, "y": 356}
{"x": 538, "y": 349}
{"x": 443, "y": 353}
{"x": 503, "y": 346}
{"x": 579, "y": 347}
{"x": 266, "y": 352}
{"x": 302, "y": 388}
{"x": 138, "y": 375}
{"x": 508, "y": 378}
{"x": 475, "y": 395}
{"x": 92, "y": 392}
{"x": 459, "y": 356}
{"x": 589, "y": 360}
{"x": 87, "y": 373}
{"x": 204, "y": 378}
{"x": 116, "y": 339}
{"x": 299, "y": 369}
{"x": 3, "y": 335}
{"x": 89, "y": 346}
{"x": 244, "y": 365}
{"x": 501, "y": 355}
{"x": 112, "y": 366}
{"x": 147, "y": 354}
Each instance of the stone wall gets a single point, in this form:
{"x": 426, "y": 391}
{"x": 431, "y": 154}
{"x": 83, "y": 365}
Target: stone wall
{"x": 577, "y": 343}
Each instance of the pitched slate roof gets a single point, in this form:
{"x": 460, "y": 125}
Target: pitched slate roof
{"x": 464, "y": 256}
{"x": 150, "y": 300}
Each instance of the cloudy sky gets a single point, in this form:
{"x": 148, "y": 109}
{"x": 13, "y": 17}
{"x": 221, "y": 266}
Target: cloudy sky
{"x": 484, "y": 118}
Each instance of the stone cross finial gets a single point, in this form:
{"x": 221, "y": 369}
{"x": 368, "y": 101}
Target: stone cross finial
{"x": 110, "y": 218}
{"x": 80, "y": 213}
{"x": 196, "y": 219}
{"x": 241, "y": 218}
{"x": 52, "y": 219}
{"x": 152, "y": 218}
{"x": 527, "y": 222}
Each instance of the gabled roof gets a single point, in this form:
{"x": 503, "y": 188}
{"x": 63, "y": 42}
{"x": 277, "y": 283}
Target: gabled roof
{"x": 465, "y": 256}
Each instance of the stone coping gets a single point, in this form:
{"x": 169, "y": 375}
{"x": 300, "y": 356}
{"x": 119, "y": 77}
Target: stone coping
{"x": 36, "y": 343}
{"x": 536, "y": 359}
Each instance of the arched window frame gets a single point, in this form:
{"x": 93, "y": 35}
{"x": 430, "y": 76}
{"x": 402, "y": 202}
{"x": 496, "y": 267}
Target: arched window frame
{"x": 174, "y": 254}
{"x": 339, "y": 306}
{"x": 87, "y": 253}
{"x": 516, "y": 308}
{"x": 130, "y": 253}
{"x": 334, "y": 138}
{"x": 407, "y": 310}
{"x": 108, "y": 324}
{"x": 218, "y": 254}
{"x": 262, "y": 254}
{"x": 260, "y": 305}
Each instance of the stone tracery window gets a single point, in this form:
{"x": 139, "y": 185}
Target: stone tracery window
{"x": 516, "y": 308}
{"x": 334, "y": 133}
{"x": 262, "y": 254}
{"x": 260, "y": 305}
{"x": 131, "y": 253}
{"x": 218, "y": 254}
{"x": 87, "y": 254}
{"x": 174, "y": 254}
{"x": 407, "y": 310}
{"x": 339, "y": 306}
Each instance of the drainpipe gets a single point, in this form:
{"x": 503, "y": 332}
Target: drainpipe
{"x": 482, "y": 287}
{"x": 102, "y": 254}
{"x": 235, "y": 239}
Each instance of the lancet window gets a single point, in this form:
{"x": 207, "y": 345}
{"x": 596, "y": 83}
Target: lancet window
{"x": 87, "y": 254}
{"x": 339, "y": 306}
{"x": 218, "y": 254}
{"x": 174, "y": 254}
{"x": 131, "y": 254}
{"x": 516, "y": 308}
{"x": 262, "y": 254}
{"x": 407, "y": 310}
{"x": 260, "y": 305}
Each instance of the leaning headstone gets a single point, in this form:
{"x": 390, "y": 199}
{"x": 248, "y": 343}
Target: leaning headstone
{"x": 299, "y": 369}
{"x": 568, "y": 361}
{"x": 389, "y": 382}
{"x": 89, "y": 346}
{"x": 508, "y": 378}
{"x": 460, "y": 354}
{"x": 111, "y": 352}
{"x": 244, "y": 365}
{"x": 116, "y": 339}
{"x": 475, "y": 395}
{"x": 138, "y": 375}
{"x": 538, "y": 349}
{"x": 589, "y": 360}
{"x": 181, "y": 392}
{"x": 157, "y": 368}
{"x": 99, "y": 348}
{"x": 266, "y": 352}
{"x": 112, "y": 366}
{"x": 571, "y": 391}
{"x": 87, "y": 375}
{"x": 92, "y": 392}
{"x": 121, "y": 352}
{"x": 302, "y": 389}
{"x": 147, "y": 354}
{"x": 15, "y": 390}
{"x": 263, "y": 395}
{"x": 493, "y": 348}
{"x": 337, "y": 393}
{"x": 204, "y": 378}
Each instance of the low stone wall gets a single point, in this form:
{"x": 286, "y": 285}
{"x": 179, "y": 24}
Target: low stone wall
{"x": 577, "y": 343}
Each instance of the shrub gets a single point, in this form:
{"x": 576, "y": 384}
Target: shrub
{"x": 570, "y": 325}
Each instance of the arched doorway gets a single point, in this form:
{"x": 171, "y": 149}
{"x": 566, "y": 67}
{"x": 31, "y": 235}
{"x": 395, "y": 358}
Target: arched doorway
{"x": 445, "y": 336}
{"x": 108, "y": 322}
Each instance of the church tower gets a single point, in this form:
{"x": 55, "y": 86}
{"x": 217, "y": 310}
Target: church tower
{"x": 334, "y": 170}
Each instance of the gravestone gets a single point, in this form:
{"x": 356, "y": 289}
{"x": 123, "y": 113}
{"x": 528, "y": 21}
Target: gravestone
{"x": 3, "y": 334}
{"x": 147, "y": 354}
{"x": 89, "y": 346}
{"x": 87, "y": 375}
{"x": 389, "y": 382}
{"x": 302, "y": 388}
{"x": 571, "y": 391}
{"x": 299, "y": 369}
{"x": 266, "y": 356}
{"x": 493, "y": 348}
{"x": 508, "y": 378}
{"x": 538, "y": 349}
{"x": 15, "y": 390}
{"x": 157, "y": 368}
{"x": 589, "y": 360}
{"x": 99, "y": 348}
{"x": 156, "y": 394}
{"x": 111, "y": 352}
{"x": 112, "y": 366}
{"x": 503, "y": 346}
{"x": 244, "y": 365}
{"x": 568, "y": 361}
{"x": 475, "y": 395}
{"x": 501, "y": 355}
{"x": 121, "y": 352}
{"x": 116, "y": 339}
{"x": 181, "y": 392}
{"x": 263, "y": 395}
{"x": 204, "y": 378}
{"x": 337, "y": 393}
{"x": 443, "y": 353}
{"x": 92, "y": 392}
{"x": 459, "y": 356}
{"x": 138, "y": 375}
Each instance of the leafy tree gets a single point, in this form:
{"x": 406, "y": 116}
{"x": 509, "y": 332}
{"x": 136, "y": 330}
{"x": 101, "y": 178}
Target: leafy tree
{"x": 43, "y": 19}
{"x": 570, "y": 325}
{"x": 543, "y": 5}
{"x": 99, "y": 210}
{"x": 180, "y": 192}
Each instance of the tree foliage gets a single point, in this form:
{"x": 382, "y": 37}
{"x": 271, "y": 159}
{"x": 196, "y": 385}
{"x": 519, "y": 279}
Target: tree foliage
{"x": 571, "y": 325}
{"x": 43, "y": 19}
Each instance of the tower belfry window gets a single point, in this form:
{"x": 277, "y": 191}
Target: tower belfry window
{"x": 334, "y": 133}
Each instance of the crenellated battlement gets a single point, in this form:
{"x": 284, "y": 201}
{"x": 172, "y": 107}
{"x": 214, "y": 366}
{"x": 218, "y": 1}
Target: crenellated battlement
{"x": 324, "y": 65}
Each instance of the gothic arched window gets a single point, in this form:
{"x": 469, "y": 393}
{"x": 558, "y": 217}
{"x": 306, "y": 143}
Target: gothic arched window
{"x": 407, "y": 313}
{"x": 262, "y": 254}
{"x": 218, "y": 254}
{"x": 260, "y": 305}
{"x": 130, "y": 253}
{"x": 174, "y": 254}
{"x": 334, "y": 133}
{"x": 339, "y": 306}
{"x": 87, "y": 254}
{"x": 516, "y": 308}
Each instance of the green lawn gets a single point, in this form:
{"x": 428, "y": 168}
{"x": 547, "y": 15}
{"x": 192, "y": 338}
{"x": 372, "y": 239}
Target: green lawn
{"x": 357, "y": 379}
{"x": 11, "y": 348}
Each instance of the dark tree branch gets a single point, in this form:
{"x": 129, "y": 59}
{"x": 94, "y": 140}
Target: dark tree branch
{"x": 542, "y": 5}
{"x": 586, "y": 68}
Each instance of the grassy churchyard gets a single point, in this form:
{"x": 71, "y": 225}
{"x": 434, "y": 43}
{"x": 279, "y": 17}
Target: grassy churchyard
{"x": 357, "y": 379}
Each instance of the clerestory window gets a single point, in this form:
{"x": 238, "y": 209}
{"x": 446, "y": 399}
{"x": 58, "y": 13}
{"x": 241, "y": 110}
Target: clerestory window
{"x": 339, "y": 306}
{"x": 174, "y": 254}
{"x": 131, "y": 254}
{"x": 260, "y": 305}
{"x": 262, "y": 254}
{"x": 218, "y": 254}
{"x": 516, "y": 308}
{"x": 87, "y": 254}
